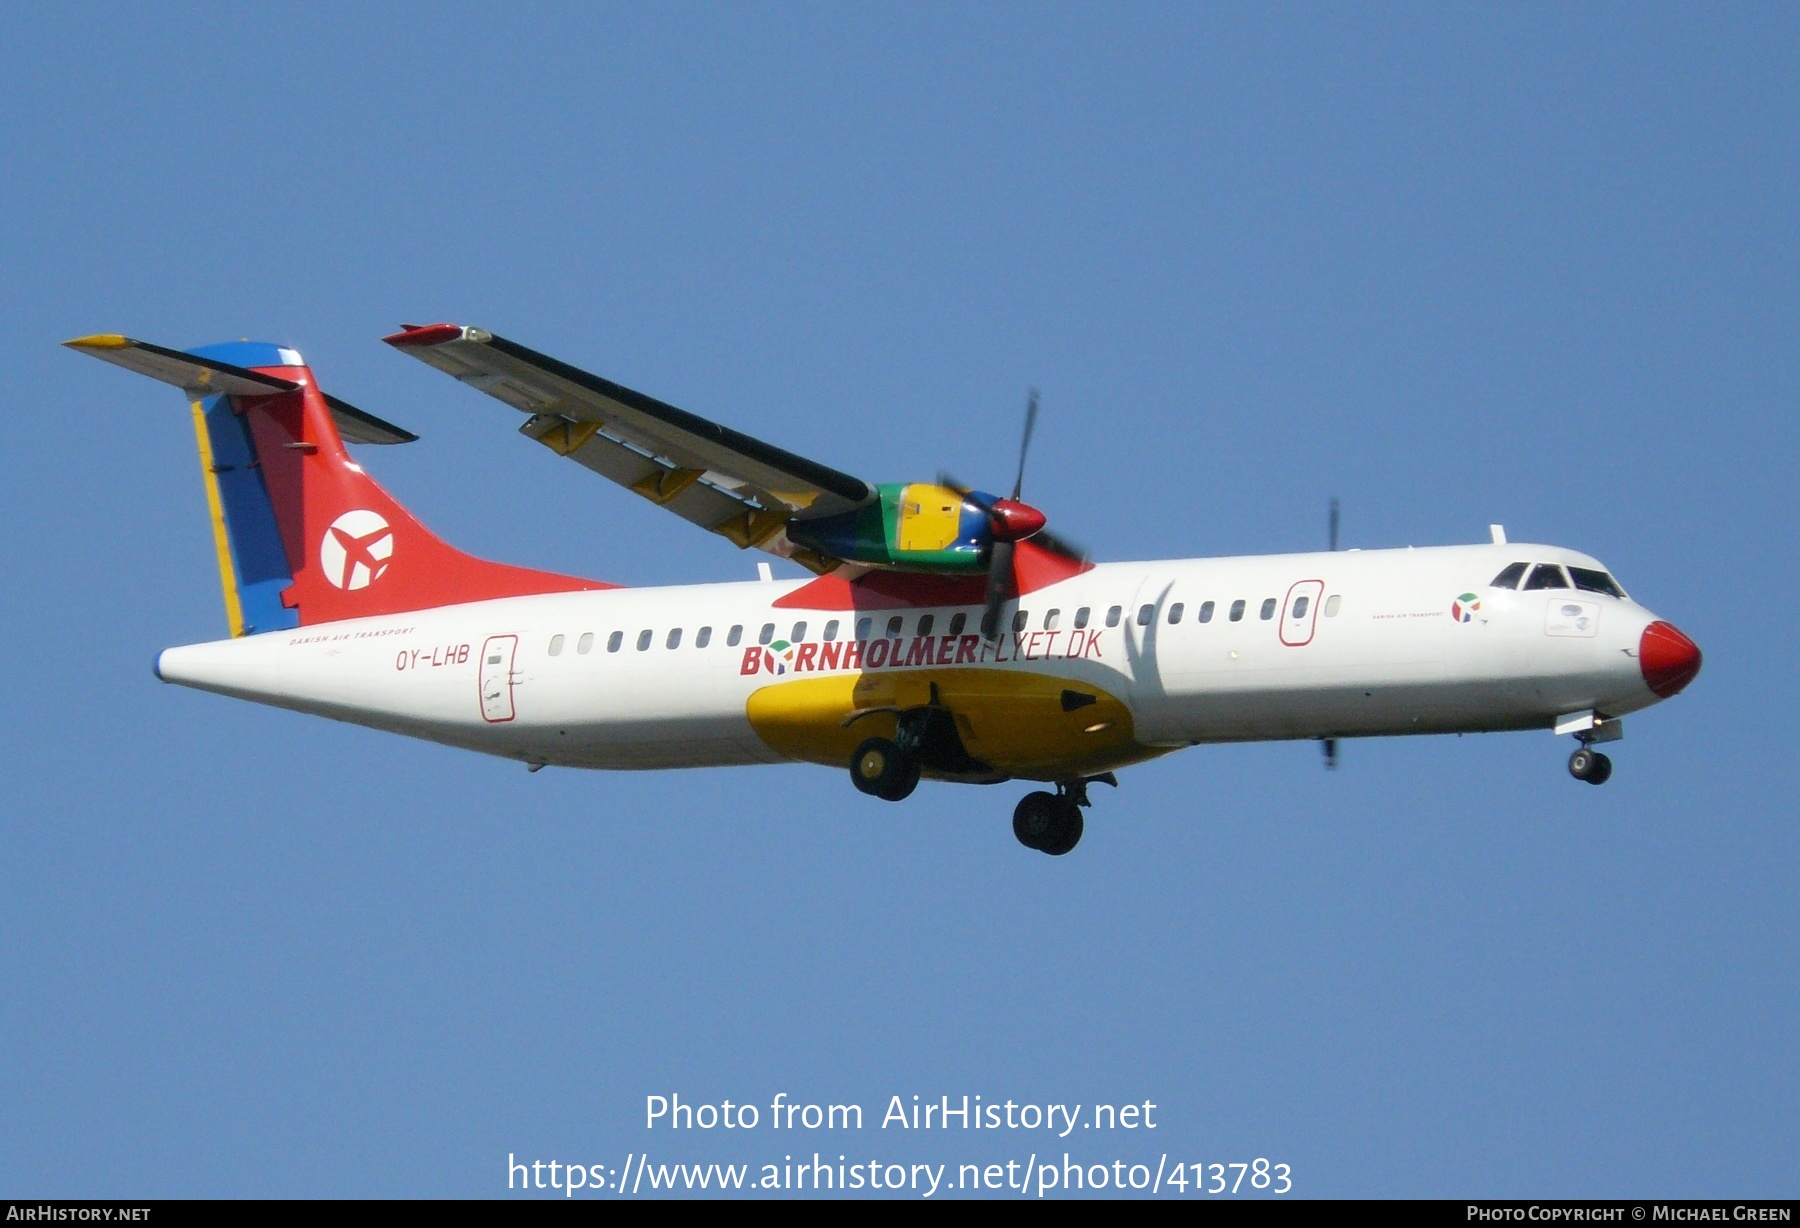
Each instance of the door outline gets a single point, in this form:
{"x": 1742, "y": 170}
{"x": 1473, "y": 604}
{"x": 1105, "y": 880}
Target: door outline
{"x": 1314, "y": 589}
{"x": 497, "y": 708}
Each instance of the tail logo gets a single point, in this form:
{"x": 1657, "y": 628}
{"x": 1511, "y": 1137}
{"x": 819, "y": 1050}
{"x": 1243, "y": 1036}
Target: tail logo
{"x": 355, "y": 550}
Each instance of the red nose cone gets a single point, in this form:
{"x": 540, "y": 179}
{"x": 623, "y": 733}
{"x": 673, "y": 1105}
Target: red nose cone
{"x": 1668, "y": 658}
{"x": 1015, "y": 521}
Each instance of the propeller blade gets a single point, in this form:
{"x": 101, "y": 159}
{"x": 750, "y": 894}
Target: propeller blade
{"x": 999, "y": 588}
{"x": 949, "y": 482}
{"x": 1059, "y": 545}
{"x": 1031, "y": 403}
{"x": 1334, "y": 522}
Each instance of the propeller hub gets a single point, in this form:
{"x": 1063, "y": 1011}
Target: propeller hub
{"x": 1014, "y": 521}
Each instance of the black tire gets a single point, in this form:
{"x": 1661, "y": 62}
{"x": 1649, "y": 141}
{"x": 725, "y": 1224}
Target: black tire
{"x": 1066, "y": 831}
{"x": 881, "y": 769}
{"x": 1601, "y": 772}
{"x": 1581, "y": 763}
{"x": 1034, "y": 818}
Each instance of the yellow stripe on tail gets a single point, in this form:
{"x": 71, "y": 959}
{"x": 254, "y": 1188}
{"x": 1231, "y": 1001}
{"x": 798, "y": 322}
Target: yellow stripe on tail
{"x": 215, "y": 510}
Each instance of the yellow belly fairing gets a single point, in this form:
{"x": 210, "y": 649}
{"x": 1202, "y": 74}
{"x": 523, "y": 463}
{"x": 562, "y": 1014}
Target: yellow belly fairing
{"x": 1012, "y": 721}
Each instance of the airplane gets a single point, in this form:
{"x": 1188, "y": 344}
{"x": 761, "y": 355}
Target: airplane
{"x": 945, "y": 632}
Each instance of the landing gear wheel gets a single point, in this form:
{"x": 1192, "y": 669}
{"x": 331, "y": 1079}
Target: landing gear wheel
{"x": 1047, "y": 823}
{"x": 1591, "y": 766}
{"x": 1033, "y": 818}
{"x": 1066, "y": 833}
{"x": 881, "y": 769}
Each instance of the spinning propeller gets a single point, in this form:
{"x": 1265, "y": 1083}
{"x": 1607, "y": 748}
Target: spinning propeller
{"x": 1010, "y": 522}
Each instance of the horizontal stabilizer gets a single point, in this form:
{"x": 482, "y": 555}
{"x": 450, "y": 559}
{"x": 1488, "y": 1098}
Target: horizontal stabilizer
{"x": 200, "y": 376}
{"x": 360, "y": 426}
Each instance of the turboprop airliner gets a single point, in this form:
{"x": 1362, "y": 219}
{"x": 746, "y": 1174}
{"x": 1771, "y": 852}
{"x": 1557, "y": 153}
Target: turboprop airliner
{"x": 945, "y": 632}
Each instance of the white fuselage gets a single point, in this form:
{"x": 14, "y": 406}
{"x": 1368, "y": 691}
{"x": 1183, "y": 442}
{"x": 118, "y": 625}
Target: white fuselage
{"x": 1383, "y": 645}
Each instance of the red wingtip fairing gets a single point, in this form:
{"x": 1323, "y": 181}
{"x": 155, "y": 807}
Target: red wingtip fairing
{"x": 1669, "y": 660}
{"x": 425, "y": 334}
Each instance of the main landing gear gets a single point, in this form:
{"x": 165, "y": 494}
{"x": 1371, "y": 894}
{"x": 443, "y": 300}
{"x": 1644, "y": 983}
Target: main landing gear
{"x": 881, "y": 769}
{"x": 1051, "y": 822}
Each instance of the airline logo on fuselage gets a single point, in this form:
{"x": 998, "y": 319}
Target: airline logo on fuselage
{"x": 356, "y": 549}
{"x": 811, "y": 656}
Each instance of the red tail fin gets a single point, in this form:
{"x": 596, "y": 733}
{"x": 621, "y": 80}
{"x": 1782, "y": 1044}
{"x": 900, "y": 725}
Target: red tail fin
{"x": 353, "y": 550}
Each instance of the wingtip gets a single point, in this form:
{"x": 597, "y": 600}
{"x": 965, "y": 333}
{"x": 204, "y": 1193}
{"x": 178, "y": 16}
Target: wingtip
{"x": 99, "y": 341}
{"x": 425, "y": 334}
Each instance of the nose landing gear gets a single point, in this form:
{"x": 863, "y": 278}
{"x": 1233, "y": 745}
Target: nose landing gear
{"x": 1051, "y": 822}
{"x": 1591, "y": 766}
{"x": 1590, "y": 727}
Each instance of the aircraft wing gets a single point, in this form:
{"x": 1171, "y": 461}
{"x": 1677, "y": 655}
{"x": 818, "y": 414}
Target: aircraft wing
{"x": 739, "y": 487}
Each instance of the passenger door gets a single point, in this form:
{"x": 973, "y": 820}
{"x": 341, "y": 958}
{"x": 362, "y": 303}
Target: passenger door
{"x": 1300, "y": 612}
{"x": 497, "y": 678}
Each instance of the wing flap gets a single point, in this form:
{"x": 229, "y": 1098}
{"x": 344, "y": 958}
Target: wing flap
{"x": 695, "y": 495}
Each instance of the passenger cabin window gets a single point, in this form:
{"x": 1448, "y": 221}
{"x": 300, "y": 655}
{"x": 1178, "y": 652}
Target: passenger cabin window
{"x": 556, "y": 645}
{"x": 893, "y": 627}
{"x": 1112, "y": 615}
{"x": 1020, "y": 618}
{"x": 1175, "y": 613}
{"x": 1333, "y": 604}
{"x": 735, "y": 636}
{"x": 585, "y": 644}
{"x": 1146, "y": 615}
{"x": 495, "y": 659}
{"x": 1081, "y": 618}
{"x": 1547, "y": 575}
{"x": 644, "y": 640}
{"x": 1237, "y": 610}
{"x": 1301, "y": 605}
{"x": 831, "y": 630}
{"x": 1050, "y": 618}
{"x": 1590, "y": 581}
{"x": 1510, "y": 576}
{"x": 1206, "y": 611}
{"x": 615, "y": 641}
{"x": 703, "y": 637}
{"x": 925, "y": 621}
{"x": 863, "y": 626}
{"x": 674, "y": 640}
{"x": 799, "y": 633}
{"x": 766, "y": 634}
{"x": 958, "y": 622}
{"x": 1268, "y": 609}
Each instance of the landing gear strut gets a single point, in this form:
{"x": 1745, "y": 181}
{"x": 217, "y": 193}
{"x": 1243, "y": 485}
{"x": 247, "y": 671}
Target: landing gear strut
{"x": 1590, "y": 765}
{"x": 1051, "y": 822}
{"x": 881, "y": 769}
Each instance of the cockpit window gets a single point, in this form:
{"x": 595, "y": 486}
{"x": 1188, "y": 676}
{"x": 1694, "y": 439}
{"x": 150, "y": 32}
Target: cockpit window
{"x": 1589, "y": 580}
{"x": 1547, "y": 575}
{"x": 1511, "y": 576}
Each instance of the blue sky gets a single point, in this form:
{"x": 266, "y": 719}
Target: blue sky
{"x": 1527, "y": 264}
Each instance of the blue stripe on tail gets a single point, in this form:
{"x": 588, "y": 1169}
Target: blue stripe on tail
{"x": 257, "y": 554}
